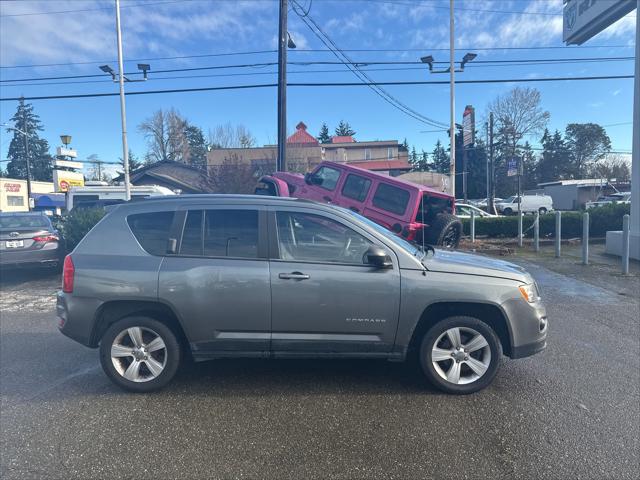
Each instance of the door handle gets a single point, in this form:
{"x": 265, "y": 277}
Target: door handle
{"x": 294, "y": 276}
{"x": 327, "y": 198}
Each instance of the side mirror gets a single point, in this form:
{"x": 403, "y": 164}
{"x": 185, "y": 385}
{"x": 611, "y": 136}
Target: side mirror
{"x": 377, "y": 257}
{"x": 307, "y": 178}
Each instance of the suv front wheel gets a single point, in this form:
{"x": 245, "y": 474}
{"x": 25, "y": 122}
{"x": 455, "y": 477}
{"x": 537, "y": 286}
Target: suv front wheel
{"x": 139, "y": 354}
{"x": 460, "y": 355}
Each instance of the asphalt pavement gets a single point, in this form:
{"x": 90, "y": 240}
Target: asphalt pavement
{"x": 572, "y": 411}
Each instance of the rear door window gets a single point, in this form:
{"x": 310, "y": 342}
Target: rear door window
{"x": 390, "y": 198}
{"x": 191, "y": 243}
{"x": 231, "y": 233}
{"x": 356, "y": 187}
{"x": 152, "y": 230}
{"x": 328, "y": 177}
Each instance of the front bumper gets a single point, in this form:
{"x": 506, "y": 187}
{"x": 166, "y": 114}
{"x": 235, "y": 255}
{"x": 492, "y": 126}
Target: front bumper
{"x": 528, "y": 327}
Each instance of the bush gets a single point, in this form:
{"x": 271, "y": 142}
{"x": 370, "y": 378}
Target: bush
{"x": 77, "y": 224}
{"x": 601, "y": 220}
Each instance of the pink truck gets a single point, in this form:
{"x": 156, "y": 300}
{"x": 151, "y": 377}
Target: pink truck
{"x": 415, "y": 212}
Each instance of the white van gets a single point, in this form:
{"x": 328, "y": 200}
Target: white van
{"x": 530, "y": 204}
{"x": 100, "y": 195}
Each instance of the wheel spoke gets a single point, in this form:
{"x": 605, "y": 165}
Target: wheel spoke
{"x": 440, "y": 354}
{"x": 476, "y": 343}
{"x": 156, "y": 344}
{"x": 477, "y": 366}
{"x": 133, "y": 371}
{"x": 155, "y": 367}
{"x": 453, "y": 375}
{"x": 121, "y": 351}
{"x": 135, "y": 333}
{"x": 454, "y": 337}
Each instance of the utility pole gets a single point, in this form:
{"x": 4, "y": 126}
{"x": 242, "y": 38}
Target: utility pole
{"x": 487, "y": 166}
{"x": 281, "y": 163}
{"x": 26, "y": 153}
{"x": 464, "y": 171}
{"x": 123, "y": 112}
{"x": 492, "y": 178}
{"x": 452, "y": 98}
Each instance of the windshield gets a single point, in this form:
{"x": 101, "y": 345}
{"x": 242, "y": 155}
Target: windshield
{"x": 23, "y": 221}
{"x": 398, "y": 241}
{"x": 509, "y": 199}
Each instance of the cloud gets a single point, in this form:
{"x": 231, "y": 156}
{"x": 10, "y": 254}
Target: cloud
{"x": 350, "y": 23}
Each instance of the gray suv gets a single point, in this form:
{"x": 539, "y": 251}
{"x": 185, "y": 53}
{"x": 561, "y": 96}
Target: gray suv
{"x": 253, "y": 276}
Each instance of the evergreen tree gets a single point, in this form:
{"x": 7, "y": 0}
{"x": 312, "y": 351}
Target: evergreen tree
{"x": 440, "y": 158}
{"x": 421, "y": 162}
{"x": 529, "y": 180}
{"x": 587, "y": 143}
{"x": 405, "y": 144}
{"x": 324, "y": 137}
{"x": 413, "y": 157}
{"x": 134, "y": 163}
{"x": 197, "y": 146}
{"x": 39, "y": 158}
{"x": 344, "y": 130}
{"x": 553, "y": 163}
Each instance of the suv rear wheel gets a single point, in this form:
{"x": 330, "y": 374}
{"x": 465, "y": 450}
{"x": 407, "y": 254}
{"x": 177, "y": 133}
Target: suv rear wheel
{"x": 445, "y": 231}
{"x": 460, "y": 355}
{"x": 139, "y": 354}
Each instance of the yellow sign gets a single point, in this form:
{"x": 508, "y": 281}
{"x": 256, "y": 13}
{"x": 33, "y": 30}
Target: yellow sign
{"x": 64, "y": 180}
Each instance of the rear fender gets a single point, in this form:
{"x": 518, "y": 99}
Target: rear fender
{"x": 280, "y": 186}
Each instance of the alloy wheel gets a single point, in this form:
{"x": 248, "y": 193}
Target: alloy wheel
{"x": 139, "y": 354}
{"x": 461, "y": 355}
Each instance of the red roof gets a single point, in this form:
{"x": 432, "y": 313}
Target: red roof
{"x": 383, "y": 165}
{"x": 301, "y": 136}
{"x": 342, "y": 139}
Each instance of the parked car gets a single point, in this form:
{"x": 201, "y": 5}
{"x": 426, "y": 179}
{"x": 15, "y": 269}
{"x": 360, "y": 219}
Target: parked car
{"x": 529, "y": 204}
{"x": 212, "y": 276}
{"x": 415, "y": 212}
{"x": 28, "y": 240}
{"x": 619, "y": 197}
{"x": 482, "y": 203}
{"x": 99, "y": 196}
{"x": 464, "y": 210}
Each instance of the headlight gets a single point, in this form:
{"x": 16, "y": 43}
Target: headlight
{"x": 529, "y": 292}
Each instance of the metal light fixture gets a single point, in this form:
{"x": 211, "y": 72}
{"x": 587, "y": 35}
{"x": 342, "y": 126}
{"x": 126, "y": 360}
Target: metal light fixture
{"x": 145, "y": 67}
{"x": 66, "y": 140}
{"x": 428, "y": 60}
{"x": 468, "y": 57}
{"x": 109, "y": 70}
{"x": 290, "y": 42}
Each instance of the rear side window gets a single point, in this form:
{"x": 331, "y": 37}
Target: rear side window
{"x": 192, "y": 235}
{"x": 328, "y": 177}
{"x": 390, "y": 198}
{"x": 152, "y": 230}
{"x": 356, "y": 187}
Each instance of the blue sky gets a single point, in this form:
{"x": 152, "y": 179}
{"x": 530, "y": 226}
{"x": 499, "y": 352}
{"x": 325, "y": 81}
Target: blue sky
{"x": 83, "y": 31}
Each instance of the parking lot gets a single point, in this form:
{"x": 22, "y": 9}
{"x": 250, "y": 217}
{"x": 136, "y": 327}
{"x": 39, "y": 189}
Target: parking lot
{"x": 572, "y": 411}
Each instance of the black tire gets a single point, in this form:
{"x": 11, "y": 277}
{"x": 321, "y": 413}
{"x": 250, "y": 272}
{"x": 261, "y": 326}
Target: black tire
{"x": 445, "y": 231}
{"x": 171, "y": 355}
{"x": 462, "y": 322}
{"x": 542, "y": 210}
{"x": 507, "y": 211}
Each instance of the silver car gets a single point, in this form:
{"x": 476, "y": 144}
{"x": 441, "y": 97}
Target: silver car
{"x": 253, "y": 276}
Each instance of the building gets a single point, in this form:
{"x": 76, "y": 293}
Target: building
{"x": 304, "y": 152}
{"x": 574, "y": 194}
{"x": 175, "y": 176}
{"x": 13, "y": 196}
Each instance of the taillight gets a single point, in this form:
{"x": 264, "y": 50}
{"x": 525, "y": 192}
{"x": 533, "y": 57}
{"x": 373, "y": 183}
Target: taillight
{"x": 46, "y": 238}
{"x": 68, "y": 272}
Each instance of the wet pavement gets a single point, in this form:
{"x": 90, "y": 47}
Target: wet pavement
{"x": 571, "y": 411}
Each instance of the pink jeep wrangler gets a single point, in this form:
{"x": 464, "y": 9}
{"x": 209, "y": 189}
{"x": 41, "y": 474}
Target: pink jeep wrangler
{"x": 415, "y": 212}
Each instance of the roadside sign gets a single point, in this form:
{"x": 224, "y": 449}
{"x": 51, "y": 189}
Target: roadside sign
{"x": 512, "y": 167}
{"x": 64, "y": 180}
{"x": 582, "y": 19}
{"x": 468, "y": 126}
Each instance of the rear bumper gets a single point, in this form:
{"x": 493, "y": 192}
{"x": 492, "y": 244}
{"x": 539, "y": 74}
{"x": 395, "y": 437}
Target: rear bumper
{"x": 75, "y": 317}
{"x": 45, "y": 256}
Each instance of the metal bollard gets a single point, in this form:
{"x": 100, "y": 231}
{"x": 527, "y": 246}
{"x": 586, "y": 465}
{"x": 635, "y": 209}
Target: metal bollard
{"x": 536, "y": 233}
{"x": 625, "y": 245}
{"x": 473, "y": 226}
{"x": 520, "y": 228}
{"x": 585, "y": 238}
{"x": 558, "y": 232}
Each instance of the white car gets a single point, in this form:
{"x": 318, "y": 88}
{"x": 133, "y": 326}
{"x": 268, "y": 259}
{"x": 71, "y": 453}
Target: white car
{"x": 463, "y": 210}
{"x": 529, "y": 204}
{"x": 620, "y": 197}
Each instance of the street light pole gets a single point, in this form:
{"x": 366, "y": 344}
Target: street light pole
{"x": 281, "y": 163}
{"x": 123, "y": 113}
{"x": 26, "y": 152}
{"x": 452, "y": 87}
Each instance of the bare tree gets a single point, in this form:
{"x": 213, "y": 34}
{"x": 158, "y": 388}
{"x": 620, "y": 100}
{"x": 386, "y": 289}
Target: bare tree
{"x": 233, "y": 176}
{"x": 518, "y": 114}
{"x": 229, "y": 136}
{"x": 612, "y": 167}
{"x": 165, "y": 135}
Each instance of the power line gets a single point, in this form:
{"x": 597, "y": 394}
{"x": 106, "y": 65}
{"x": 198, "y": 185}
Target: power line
{"x": 319, "y": 84}
{"x": 358, "y": 65}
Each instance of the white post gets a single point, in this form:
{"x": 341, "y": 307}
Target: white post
{"x": 536, "y": 233}
{"x": 473, "y": 226}
{"x": 558, "y": 232}
{"x": 585, "y": 238}
{"x": 625, "y": 245}
{"x": 519, "y": 227}
{"x": 452, "y": 100}
{"x": 635, "y": 157}
{"x": 123, "y": 111}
